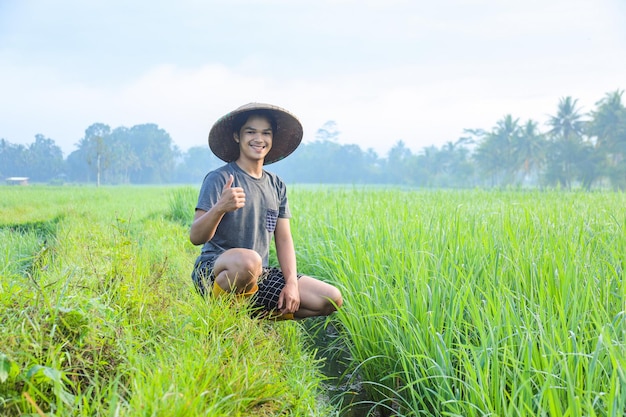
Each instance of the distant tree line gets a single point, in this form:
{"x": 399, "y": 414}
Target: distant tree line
{"x": 575, "y": 149}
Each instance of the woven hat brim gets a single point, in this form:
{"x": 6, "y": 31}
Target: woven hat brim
{"x": 286, "y": 138}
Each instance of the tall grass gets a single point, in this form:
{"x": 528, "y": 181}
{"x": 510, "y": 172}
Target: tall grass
{"x": 457, "y": 303}
{"x": 98, "y": 316}
{"x": 473, "y": 303}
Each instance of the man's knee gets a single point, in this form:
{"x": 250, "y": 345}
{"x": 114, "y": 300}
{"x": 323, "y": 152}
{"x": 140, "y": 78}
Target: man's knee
{"x": 238, "y": 268}
{"x": 334, "y": 301}
{"x": 337, "y": 299}
{"x": 252, "y": 264}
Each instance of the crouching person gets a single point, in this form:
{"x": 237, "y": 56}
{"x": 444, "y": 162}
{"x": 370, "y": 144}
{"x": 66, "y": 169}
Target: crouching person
{"x": 241, "y": 206}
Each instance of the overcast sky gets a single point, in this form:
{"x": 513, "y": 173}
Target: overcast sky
{"x": 420, "y": 71}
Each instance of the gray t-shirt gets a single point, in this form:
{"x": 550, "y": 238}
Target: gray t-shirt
{"x": 253, "y": 225}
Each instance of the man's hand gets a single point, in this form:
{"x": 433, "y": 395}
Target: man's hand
{"x": 232, "y": 198}
{"x": 289, "y": 298}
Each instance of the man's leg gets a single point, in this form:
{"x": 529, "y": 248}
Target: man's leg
{"x": 237, "y": 270}
{"x": 317, "y": 298}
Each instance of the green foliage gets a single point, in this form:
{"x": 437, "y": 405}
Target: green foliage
{"x": 182, "y": 205}
{"x": 142, "y": 154}
{"x": 577, "y": 150}
{"x": 108, "y": 323}
{"x": 42, "y": 160}
{"x": 13, "y": 159}
{"x": 8, "y": 368}
{"x": 455, "y": 303}
{"x": 196, "y": 162}
{"x": 475, "y": 303}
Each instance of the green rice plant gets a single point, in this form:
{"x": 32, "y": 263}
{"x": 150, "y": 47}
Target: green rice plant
{"x": 27, "y": 246}
{"x": 467, "y": 303}
{"x": 19, "y": 252}
{"x": 182, "y": 205}
{"x": 476, "y": 302}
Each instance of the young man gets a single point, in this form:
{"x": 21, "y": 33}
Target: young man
{"x": 241, "y": 206}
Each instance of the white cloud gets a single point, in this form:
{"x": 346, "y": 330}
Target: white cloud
{"x": 383, "y": 71}
{"x": 369, "y": 109}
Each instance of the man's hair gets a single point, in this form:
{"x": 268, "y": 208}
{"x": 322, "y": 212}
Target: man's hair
{"x": 242, "y": 118}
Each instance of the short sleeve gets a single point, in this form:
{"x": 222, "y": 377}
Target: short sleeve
{"x": 211, "y": 189}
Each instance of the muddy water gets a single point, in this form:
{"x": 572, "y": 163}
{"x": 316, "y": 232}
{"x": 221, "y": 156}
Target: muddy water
{"x": 342, "y": 388}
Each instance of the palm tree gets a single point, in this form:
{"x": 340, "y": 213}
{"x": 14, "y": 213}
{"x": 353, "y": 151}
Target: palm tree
{"x": 608, "y": 126}
{"x": 566, "y": 141}
{"x": 530, "y": 150}
{"x": 495, "y": 154}
{"x": 568, "y": 122}
{"x": 399, "y": 157}
{"x": 457, "y": 170}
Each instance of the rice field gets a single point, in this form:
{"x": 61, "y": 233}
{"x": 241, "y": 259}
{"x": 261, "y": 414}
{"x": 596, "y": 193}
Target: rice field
{"x": 474, "y": 303}
{"x": 456, "y": 303}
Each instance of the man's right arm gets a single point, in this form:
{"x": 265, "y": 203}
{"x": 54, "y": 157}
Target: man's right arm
{"x": 204, "y": 225}
{"x": 205, "y": 222}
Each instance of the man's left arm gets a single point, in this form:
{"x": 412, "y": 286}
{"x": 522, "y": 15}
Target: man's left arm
{"x": 289, "y": 299}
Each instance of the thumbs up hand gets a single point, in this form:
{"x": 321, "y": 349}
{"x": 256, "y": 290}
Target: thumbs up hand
{"x": 232, "y": 198}
{"x": 229, "y": 182}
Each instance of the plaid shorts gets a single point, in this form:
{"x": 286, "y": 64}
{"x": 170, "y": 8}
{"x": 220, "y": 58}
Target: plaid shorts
{"x": 271, "y": 282}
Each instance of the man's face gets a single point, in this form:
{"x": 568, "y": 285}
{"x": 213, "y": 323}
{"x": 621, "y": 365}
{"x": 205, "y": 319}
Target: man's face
{"x": 254, "y": 138}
